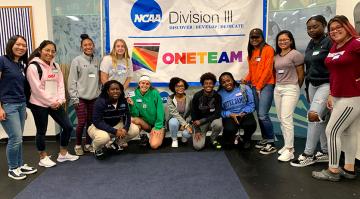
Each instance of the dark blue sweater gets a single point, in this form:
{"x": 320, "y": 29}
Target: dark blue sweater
{"x": 12, "y": 81}
{"x": 105, "y": 115}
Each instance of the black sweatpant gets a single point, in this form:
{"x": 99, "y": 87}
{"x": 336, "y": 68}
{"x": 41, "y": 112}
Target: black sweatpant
{"x": 230, "y": 128}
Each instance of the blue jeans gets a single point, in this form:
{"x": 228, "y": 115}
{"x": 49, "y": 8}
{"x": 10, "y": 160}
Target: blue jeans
{"x": 41, "y": 115}
{"x": 262, "y": 105}
{"x": 14, "y": 128}
{"x": 316, "y": 130}
{"x": 174, "y": 126}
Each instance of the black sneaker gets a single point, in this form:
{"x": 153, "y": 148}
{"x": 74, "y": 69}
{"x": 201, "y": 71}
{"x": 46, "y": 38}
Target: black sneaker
{"x": 246, "y": 145}
{"x": 303, "y": 160}
{"x": 25, "y": 169}
{"x": 322, "y": 157}
{"x": 16, "y": 174}
{"x": 261, "y": 144}
{"x": 268, "y": 149}
{"x": 99, "y": 154}
{"x": 216, "y": 145}
{"x": 144, "y": 140}
{"x": 114, "y": 148}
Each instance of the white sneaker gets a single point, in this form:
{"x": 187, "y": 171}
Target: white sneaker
{"x": 78, "y": 150}
{"x": 16, "y": 174}
{"x": 281, "y": 150}
{"x": 46, "y": 162}
{"x": 88, "y": 148}
{"x": 287, "y": 155}
{"x": 174, "y": 144}
{"x": 184, "y": 139}
{"x": 67, "y": 157}
{"x": 26, "y": 169}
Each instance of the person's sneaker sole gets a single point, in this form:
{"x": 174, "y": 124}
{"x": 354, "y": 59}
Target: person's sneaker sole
{"x": 44, "y": 165}
{"x": 16, "y": 178}
{"x": 64, "y": 160}
{"x": 301, "y": 165}
{"x": 267, "y": 153}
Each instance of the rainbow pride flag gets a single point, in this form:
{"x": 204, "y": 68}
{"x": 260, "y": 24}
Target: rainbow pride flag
{"x": 145, "y": 55}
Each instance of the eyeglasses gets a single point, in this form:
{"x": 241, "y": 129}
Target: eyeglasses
{"x": 49, "y": 51}
{"x": 283, "y": 40}
{"x": 179, "y": 86}
{"x": 336, "y": 29}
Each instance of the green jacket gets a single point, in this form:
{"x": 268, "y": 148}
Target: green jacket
{"x": 149, "y": 107}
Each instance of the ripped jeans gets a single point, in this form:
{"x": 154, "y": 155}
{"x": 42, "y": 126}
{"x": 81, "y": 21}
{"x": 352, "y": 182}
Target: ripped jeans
{"x": 316, "y": 130}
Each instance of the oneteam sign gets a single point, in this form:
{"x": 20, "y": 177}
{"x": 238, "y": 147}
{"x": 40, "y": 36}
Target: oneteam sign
{"x": 146, "y": 14}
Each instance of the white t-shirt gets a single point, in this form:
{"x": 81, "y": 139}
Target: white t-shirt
{"x": 119, "y": 72}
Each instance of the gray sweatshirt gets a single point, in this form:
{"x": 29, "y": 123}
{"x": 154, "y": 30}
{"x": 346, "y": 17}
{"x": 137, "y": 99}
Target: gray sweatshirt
{"x": 172, "y": 112}
{"x": 83, "y": 81}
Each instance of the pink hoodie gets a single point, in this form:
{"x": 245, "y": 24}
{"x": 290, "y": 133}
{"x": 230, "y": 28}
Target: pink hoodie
{"x": 38, "y": 95}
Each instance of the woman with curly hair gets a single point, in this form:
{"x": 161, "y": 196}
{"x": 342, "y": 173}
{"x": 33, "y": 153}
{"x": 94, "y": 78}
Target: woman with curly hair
{"x": 178, "y": 110}
{"x": 111, "y": 119}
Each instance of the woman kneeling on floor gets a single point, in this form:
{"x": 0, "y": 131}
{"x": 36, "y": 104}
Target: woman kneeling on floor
{"x": 111, "y": 119}
{"x": 178, "y": 106}
{"x": 147, "y": 110}
{"x": 237, "y": 110}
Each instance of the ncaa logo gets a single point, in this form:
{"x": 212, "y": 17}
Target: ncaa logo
{"x": 146, "y": 14}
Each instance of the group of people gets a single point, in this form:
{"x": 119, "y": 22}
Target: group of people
{"x": 111, "y": 116}
{"x": 332, "y": 88}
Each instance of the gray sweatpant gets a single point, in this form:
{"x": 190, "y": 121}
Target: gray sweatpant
{"x": 343, "y": 129}
{"x": 215, "y": 126}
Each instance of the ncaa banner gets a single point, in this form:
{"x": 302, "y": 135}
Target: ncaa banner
{"x": 185, "y": 38}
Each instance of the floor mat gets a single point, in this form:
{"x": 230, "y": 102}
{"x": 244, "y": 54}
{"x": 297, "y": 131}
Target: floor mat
{"x": 157, "y": 175}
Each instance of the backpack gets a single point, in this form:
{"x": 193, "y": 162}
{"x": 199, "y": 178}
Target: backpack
{"x": 243, "y": 92}
{"x": 27, "y": 88}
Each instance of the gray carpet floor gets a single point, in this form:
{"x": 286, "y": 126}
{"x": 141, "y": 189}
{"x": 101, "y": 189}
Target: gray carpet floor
{"x": 161, "y": 175}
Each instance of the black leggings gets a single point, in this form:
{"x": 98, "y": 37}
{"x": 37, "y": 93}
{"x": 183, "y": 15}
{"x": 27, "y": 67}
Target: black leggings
{"x": 41, "y": 122}
{"x": 247, "y": 123}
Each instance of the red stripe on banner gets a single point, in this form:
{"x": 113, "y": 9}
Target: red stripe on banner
{"x": 146, "y": 44}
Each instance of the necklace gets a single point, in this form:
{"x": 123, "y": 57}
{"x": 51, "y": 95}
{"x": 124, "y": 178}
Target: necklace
{"x": 283, "y": 54}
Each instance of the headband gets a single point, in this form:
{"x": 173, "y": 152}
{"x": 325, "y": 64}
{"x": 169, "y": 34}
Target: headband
{"x": 144, "y": 78}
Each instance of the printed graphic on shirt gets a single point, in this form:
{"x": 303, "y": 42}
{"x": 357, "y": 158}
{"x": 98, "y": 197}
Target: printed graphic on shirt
{"x": 120, "y": 71}
{"x": 232, "y": 103}
{"x": 336, "y": 55}
{"x": 207, "y": 104}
